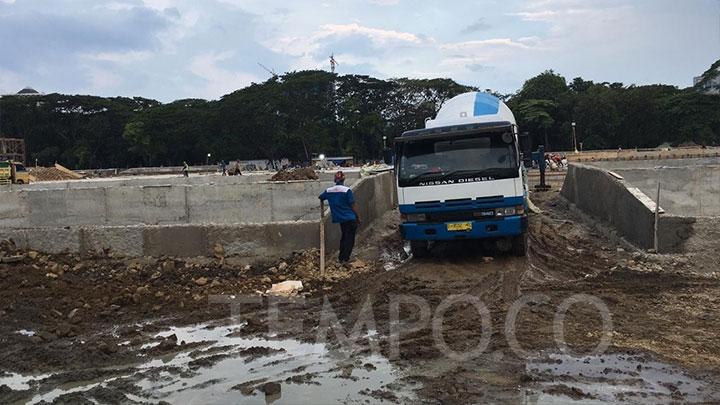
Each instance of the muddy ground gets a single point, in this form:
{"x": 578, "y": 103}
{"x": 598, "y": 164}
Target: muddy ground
{"x": 115, "y": 330}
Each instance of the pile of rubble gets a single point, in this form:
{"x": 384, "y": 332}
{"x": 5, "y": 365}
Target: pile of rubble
{"x": 306, "y": 264}
{"x": 9, "y": 252}
{"x": 304, "y": 267}
{"x": 305, "y": 173}
{"x": 56, "y": 173}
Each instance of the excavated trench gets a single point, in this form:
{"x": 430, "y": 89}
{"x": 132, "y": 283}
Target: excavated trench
{"x": 169, "y": 342}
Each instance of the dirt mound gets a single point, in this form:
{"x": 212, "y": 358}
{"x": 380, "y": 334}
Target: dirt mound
{"x": 56, "y": 173}
{"x": 305, "y": 266}
{"x": 304, "y": 173}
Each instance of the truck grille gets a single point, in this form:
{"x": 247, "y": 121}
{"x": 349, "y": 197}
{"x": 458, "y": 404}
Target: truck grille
{"x": 460, "y": 216}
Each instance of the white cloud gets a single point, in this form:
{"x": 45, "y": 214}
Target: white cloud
{"x": 307, "y": 50}
{"x": 218, "y": 80}
{"x": 377, "y": 35}
{"x": 385, "y": 2}
{"x": 10, "y": 81}
{"x": 543, "y": 15}
{"x": 120, "y": 57}
{"x": 158, "y": 4}
{"x": 102, "y": 80}
{"x": 483, "y": 44}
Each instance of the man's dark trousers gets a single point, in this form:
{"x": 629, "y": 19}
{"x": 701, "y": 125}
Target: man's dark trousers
{"x": 347, "y": 240}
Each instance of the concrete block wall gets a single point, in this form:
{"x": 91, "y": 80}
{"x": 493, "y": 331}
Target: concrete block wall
{"x": 161, "y": 204}
{"x": 625, "y": 207}
{"x": 248, "y": 241}
{"x": 374, "y": 196}
{"x": 176, "y": 180}
{"x": 601, "y": 195}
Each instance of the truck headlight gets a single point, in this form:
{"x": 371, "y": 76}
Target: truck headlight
{"x": 508, "y": 211}
{"x": 413, "y": 217}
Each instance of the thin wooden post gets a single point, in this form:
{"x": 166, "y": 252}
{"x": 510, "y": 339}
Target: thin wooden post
{"x": 657, "y": 215}
{"x": 322, "y": 240}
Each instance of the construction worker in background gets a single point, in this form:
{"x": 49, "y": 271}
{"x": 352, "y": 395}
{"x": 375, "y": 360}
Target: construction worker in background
{"x": 342, "y": 207}
{"x": 223, "y": 167}
{"x": 186, "y": 169}
{"x": 542, "y": 164}
{"x": 235, "y": 171}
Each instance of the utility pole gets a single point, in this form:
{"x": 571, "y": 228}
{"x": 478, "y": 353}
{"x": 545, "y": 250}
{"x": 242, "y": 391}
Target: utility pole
{"x": 267, "y": 69}
{"x": 333, "y": 63}
{"x": 574, "y": 138}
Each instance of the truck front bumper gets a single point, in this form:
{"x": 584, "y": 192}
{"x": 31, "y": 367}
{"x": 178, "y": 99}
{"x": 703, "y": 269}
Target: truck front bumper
{"x": 481, "y": 229}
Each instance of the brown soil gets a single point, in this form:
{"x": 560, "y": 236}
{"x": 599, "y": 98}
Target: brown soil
{"x": 661, "y": 305}
{"x": 57, "y": 173}
{"x": 305, "y": 173}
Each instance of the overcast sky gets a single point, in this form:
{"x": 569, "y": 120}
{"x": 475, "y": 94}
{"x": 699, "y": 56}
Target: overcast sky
{"x": 172, "y": 49}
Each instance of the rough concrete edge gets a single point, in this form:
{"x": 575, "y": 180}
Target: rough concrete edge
{"x": 682, "y": 226}
{"x": 609, "y": 175}
{"x": 643, "y": 198}
{"x": 606, "y": 230}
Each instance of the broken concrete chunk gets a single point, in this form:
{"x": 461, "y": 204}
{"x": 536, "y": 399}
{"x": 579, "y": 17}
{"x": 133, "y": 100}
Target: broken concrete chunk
{"x": 13, "y": 259}
{"x": 201, "y": 281}
{"x": 286, "y": 288}
{"x": 168, "y": 266}
{"x": 218, "y": 251}
{"x": 358, "y": 264}
{"x": 271, "y": 388}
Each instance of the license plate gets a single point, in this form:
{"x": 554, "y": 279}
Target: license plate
{"x": 459, "y": 227}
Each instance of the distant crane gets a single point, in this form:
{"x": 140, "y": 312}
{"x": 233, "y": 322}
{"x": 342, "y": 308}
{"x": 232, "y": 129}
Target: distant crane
{"x": 333, "y": 63}
{"x": 267, "y": 69}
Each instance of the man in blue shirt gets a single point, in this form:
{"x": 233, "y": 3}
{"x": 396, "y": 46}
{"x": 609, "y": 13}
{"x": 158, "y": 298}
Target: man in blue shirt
{"x": 342, "y": 207}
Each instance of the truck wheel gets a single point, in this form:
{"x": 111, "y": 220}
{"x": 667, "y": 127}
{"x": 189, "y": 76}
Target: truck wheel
{"x": 20, "y": 182}
{"x": 419, "y": 249}
{"x": 519, "y": 245}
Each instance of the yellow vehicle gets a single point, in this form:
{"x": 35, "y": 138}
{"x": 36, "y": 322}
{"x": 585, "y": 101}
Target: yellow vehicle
{"x": 13, "y": 172}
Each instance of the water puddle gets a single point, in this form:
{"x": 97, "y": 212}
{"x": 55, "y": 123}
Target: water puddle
{"x": 613, "y": 378}
{"x": 20, "y": 382}
{"x": 25, "y": 332}
{"x": 392, "y": 259}
{"x": 220, "y": 367}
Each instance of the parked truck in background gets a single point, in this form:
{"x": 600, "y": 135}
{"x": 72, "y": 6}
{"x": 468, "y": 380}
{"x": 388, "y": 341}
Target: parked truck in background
{"x": 461, "y": 177}
{"x": 13, "y": 173}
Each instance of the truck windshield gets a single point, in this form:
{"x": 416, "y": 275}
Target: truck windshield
{"x": 478, "y": 157}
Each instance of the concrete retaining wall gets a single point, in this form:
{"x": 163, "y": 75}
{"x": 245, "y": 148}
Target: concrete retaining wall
{"x": 175, "y": 180}
{"x": 251, "y": 242}
{"x": 601, "y": 195}
{"x": 162, "y": 204}
{"x": 618, "y": 203}
{"x": 374, "y": 196}
{"x": 687, "y": 191}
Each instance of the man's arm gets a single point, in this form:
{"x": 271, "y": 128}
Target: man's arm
{"x": 351, "y": 200}
{"x": 357, "y": 216}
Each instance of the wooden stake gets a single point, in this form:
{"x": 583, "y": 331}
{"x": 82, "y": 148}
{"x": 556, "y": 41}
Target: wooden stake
{"x": 657, "y": 214}
{"x": 322, "y": 241}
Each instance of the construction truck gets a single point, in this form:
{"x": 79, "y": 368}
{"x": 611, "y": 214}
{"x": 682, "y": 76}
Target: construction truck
{"x": 460, "y": 177}
{"x": 13, "y": 173}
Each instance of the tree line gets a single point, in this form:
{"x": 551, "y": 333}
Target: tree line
{"x": 298, "y": 114}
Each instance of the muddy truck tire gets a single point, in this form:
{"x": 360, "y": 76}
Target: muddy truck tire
{"x": 419, "y": 249}
{"x": 519, "y": 245}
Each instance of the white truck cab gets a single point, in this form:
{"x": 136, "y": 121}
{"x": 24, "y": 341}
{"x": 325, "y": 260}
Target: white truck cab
{"x": 461, "y": 177}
